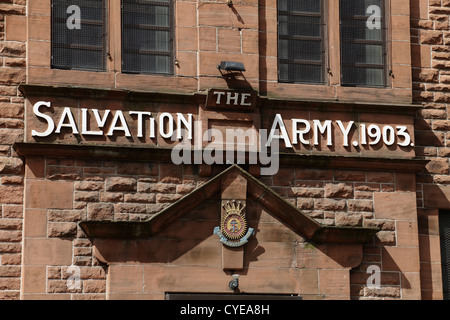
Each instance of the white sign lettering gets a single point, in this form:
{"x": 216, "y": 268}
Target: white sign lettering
{"x": 118, "y": 124}
{"x": 368, "y": 135}
{"x": 170, "y": 126}
{"x": 48, "y": 119}
{"x": 233, "y": 98}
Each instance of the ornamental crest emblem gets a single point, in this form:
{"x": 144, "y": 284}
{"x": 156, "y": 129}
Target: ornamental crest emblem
{"x": 233, "y": 230}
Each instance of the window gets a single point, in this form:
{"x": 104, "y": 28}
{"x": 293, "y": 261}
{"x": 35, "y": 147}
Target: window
{"x": 444, "y": 232}
{"x": 301, "y": 53}
{"x": 304, "y": 44}
{"x": 79, "y": 34}
{"x": 363, "y": 43}
{"x": 147, "y": 36}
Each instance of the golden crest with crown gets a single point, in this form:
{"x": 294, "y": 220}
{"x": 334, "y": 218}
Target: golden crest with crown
{"x": 233, "y": 224}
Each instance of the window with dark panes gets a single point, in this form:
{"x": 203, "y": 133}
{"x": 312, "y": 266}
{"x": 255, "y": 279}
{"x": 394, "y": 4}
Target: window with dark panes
{"x": 363, "y": 43}
{"x": 444, "y": 232}
{"x": 147, "y": 36}
{"x": 301, "y": 53}
{"x": 79, "y": 34}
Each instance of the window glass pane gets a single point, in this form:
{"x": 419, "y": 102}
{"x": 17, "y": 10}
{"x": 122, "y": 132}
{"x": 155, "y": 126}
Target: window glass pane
{"x": 148, "y": 63}
{"x": 363, "y": 53}
{"x": 284, "y": 72}
{"x": 283, "y": 25}
{"x": 363, "y": 43}
{"x": 301, "y": 72}
{"x": 363, "y": 76}
{"x": 79, "y": 34}
{"x": 150, "y": 15}
{"x": 300, "y": 5}
{"x": 283, "y": 49}
{"x": 359, "y": 7}
{"x": 147, "y": 40}
{"x": 78, "y": 58}
{"x": 305, "y": 50}
{"x": 300, "y": 26}
{"x": 300, "y": 41}
{"x": 358, "y": 30}
{"x": 147, "y": 37}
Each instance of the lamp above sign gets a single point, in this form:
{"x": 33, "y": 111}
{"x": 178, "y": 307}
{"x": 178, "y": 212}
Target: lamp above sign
{"x": 231, "y": 100}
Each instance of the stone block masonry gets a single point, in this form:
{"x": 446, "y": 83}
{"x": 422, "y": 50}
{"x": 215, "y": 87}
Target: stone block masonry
{"x": 12, "y": 73}
{"x": 43, "y": 199}
{"x": 133, "y": 191}
{"x": 430, "y": 31}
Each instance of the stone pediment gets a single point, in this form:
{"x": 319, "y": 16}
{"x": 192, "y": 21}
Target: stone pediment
{"x": 256, "y": 191}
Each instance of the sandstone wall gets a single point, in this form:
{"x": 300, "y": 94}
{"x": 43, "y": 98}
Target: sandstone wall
{"x": 108, "y": 189}
{"x": 431, "y": 54}
{"x": 12, "y": 72}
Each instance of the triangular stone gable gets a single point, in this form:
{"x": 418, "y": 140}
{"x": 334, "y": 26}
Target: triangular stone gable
{"x": 256, "y": 191}
{"x": 177, "y": 250}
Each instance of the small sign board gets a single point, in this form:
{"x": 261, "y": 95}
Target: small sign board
{"x": 231, "y": 100}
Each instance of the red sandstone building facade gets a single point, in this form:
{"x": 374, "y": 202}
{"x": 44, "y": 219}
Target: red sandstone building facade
{"x": 93, "y": 97}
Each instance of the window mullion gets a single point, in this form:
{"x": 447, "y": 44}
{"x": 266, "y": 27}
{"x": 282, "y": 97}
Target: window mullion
{"x": 115, "y": 36}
